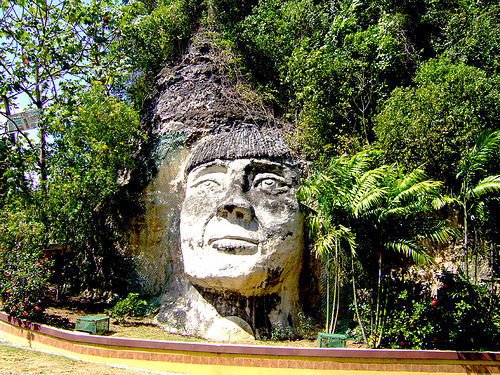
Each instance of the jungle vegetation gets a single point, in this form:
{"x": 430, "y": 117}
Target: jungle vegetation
{"x": 396, "y": 106}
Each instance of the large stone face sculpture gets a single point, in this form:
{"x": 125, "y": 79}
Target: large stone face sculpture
{"x": 241, "y": 228}
{"x": 241, "y": 236}
{"x": 223, "y": 234}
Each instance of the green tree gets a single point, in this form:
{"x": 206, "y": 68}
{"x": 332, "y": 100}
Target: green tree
{"x": 268, "y": 36}
{"x": 47, "y": 44}
{"x": 150, "y": 35}
{"x": 471, "y": 34}
{"x": 378, "y": 218}
{"x": 95, "y": 144}
{"x": 80, "y": 217}
{"x": 328, "y": 64}
{"x": 476, "y": 187}
{"x": 340, "y": 84}
{"x": 432, "y": 123}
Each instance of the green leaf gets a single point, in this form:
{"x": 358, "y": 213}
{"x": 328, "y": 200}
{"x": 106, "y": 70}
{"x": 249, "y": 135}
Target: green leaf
{"x": 488, "y": 185}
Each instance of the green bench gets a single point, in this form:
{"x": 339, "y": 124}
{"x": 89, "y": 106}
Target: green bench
{"x": 328, "y": 340}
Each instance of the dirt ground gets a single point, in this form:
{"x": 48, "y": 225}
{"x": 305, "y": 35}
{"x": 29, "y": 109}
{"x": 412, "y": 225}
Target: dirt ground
{"x": 64, "y": 317}
{"x": 21, "y": 361}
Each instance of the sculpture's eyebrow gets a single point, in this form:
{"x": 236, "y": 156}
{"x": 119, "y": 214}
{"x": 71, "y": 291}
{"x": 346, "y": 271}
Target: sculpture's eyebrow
{"x": 257, "y": 166}
{"x": 202, "y": 170}
{"x": 267, "y": 166}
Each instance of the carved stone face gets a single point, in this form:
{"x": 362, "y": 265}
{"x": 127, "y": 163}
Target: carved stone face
{"x": 241, "y": 228}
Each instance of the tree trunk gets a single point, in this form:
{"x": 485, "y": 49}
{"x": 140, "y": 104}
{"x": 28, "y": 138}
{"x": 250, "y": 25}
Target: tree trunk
{"x": 356, "y": 304}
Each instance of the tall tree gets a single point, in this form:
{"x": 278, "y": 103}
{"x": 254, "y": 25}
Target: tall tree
{"x": 433, "y": 122}
{"x": 49, "y": 45}
{"x": 87, "y": 205}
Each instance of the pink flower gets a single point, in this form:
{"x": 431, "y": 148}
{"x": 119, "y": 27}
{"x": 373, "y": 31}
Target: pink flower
{"x": 433, "y": 303}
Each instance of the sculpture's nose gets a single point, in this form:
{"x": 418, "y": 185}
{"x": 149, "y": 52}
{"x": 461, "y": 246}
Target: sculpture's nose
{"x": 236, "y": 207}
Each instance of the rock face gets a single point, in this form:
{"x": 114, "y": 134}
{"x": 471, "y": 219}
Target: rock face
{"x": 222, "y": 234}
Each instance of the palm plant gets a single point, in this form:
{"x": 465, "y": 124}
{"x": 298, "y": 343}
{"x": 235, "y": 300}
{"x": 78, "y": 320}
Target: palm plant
{"x": 475, "y": 187}
{"x": 371, "y": 215}
{"x": 327, "y": 196}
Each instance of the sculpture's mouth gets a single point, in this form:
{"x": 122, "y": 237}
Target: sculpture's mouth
{"x": 234, "y": 244}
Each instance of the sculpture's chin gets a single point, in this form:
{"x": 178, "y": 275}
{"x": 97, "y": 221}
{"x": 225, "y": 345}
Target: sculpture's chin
{"x": 255, "y": 282}
{"x": 243, "y": 265}
{"x": 246, "y": 285}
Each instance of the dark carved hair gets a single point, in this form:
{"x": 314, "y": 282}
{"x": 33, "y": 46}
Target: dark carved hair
{"x": 239, "y": 142}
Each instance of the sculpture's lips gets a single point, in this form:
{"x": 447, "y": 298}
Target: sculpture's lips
{"x": 234, "y": 244}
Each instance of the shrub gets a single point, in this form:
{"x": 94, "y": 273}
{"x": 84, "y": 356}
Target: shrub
{"x": 305, "y": 328}
{"x": 462, "y": 316}
{"x": 130, "y": 306}
{"x": 281, "y": 332}
{"x": 24, "y": 272}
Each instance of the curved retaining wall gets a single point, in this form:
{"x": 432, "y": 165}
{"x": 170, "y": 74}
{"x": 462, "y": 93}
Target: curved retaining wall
{"x": 222, "y": 359}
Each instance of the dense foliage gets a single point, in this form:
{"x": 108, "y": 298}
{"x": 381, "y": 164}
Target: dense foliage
{"x": 78, "y": 219}
{"x": 449, "y": 319}
{"x": 418, "y": 81}
{"x": 95, "y": 139}
{"x": 24, "y": 268}
{"x": 354, "y": 73}
{"x": 436, "y": 120}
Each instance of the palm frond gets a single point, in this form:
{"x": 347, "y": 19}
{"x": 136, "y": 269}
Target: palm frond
{"x": 487, "y": 145}
{"x": 418, "y": 189}
{"x": 490, "y": 184}
{"x": 326, "y": 243}
{"x": 440, "y": 201}
{"x": 315, "y": 224}
{"x": 368, "y": 192}
{"x": 410, "y": 250}
{"x": 443, "y": 233}
{"x": 368, "y": 201}
{"x": 411, "y": 179}
{"x": 398, "y": 212}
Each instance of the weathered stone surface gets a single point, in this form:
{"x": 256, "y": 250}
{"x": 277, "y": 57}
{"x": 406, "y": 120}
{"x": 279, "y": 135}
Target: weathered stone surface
{"x": 196, "y": 96}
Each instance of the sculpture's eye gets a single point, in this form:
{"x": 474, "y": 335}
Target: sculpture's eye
{"x": 270, "y": 184}
{"x": 207, "y": 184}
